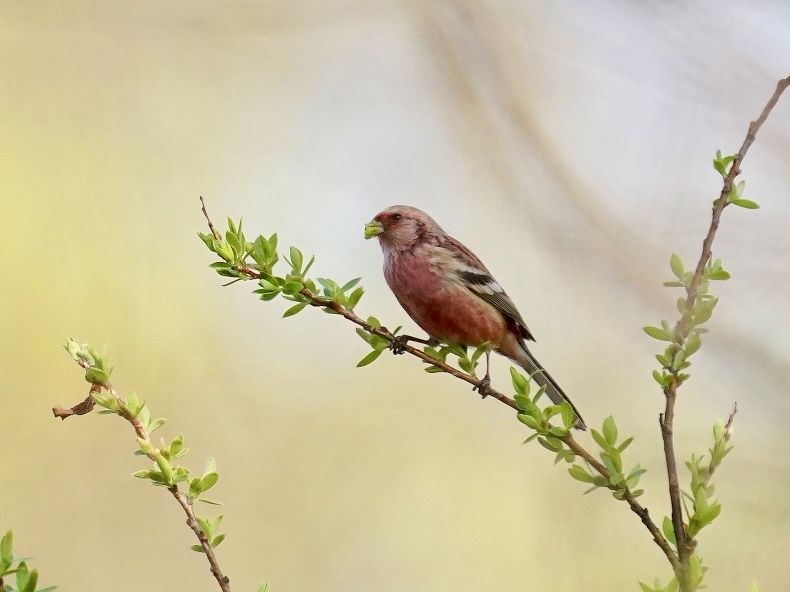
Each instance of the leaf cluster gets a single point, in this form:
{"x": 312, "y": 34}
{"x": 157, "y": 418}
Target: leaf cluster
{"x": 245, "y": 260}
{"x": 239, "y": 255}
{"x": 210, "y": 529}
{"x": 704, "y": 508}
{"x": 377, "y": 343}
{"x": 548, "y": 434}
{"x": 466, "y": 362}
{"x": 26, "y": 580}
{"x": 696, "y": 309}
{"x": 723, "y": 165}
{"x": 611, "y": 456}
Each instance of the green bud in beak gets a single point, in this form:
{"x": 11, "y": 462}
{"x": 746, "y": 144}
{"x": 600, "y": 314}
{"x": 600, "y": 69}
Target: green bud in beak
{"x": 373, "y": 228}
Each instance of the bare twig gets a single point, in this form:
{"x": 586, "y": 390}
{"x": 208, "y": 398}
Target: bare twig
{"x": 213, "y": 230}
{"x": 685, "y": 545}
{"x": 184, "y": 501}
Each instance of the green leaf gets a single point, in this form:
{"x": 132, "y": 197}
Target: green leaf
{"x": 297, "y": 308}
{"x": 693, "y": 343}
{"x": 745, "y": 203}
{"x": 217, "y": 540}
{"x": 625, "y": 444}
{"x": 296, "y": 260}
{"x": 676, "y": 263}
{"x": 599, "y": 439}
{"x": 155, "y": 425}
{"x": 30, "y": 585}
{"x": 208, "y": 481}
{"x": 350, "y": 284}
{"x": 520, "y": 382}
{"x": 7, "y": 547}
{"x": 551, "y": 443}
{"x": 194, "y": 488}
{"x": 354, "y": 298}
{"x": 580, "y": 474}
{"x": 197, "y": 548}
{"x": 568, "y": 416}
{"x": 372, "y": 357}
{"x": 657, "y": 333}
{"x": 610, "y": 430}
{"x": 669, "y": 530}
{"x": 96, "y": 375}
{"x": 529, "y": 421}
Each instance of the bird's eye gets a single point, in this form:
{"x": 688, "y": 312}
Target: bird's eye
{"x": 396, "y": 217}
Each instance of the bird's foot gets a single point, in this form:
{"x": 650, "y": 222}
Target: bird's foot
{"x": 399, "y": 344}
{"x": 483, "y": 387}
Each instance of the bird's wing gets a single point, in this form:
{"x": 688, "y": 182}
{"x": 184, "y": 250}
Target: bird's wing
{"x": 474, "y": 275}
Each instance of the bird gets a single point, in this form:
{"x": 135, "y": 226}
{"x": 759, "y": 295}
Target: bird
{"x": 452, "y": 296}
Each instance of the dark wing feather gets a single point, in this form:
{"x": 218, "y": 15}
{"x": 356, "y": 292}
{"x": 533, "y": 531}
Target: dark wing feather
{"x": 480, "y": 281}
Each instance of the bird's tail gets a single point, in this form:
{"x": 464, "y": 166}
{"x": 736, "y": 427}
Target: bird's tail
{"x": 527, "y": 361}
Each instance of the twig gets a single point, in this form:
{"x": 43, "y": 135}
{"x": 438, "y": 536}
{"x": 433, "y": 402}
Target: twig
{"x": 185, "y": 502}
{"x": 213, "y": 230}
{"x": 685, "y": 545}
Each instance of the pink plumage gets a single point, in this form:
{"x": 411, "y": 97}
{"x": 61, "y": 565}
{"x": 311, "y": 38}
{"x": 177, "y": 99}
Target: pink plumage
{"x": 450, "y": 294}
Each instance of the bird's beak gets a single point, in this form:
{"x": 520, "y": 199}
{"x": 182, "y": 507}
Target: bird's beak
{"x": 373, "y": 228}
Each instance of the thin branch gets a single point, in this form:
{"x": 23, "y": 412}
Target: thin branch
{"x": 213, "y": 230}
{"x": 184, "y": 501}
{"x": 685, "y": 545}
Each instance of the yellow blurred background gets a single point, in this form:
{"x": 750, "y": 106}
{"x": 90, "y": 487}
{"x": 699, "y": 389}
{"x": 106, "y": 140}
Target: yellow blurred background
{"x": 568, "y": 145}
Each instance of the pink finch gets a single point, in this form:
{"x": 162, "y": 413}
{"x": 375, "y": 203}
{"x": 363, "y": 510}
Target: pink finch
{"x": 451, "y": 295}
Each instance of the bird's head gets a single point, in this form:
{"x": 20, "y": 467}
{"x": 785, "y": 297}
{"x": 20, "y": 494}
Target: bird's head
{"x": 400, "y": 227}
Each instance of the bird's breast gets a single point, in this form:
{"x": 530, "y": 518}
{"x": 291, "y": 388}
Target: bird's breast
{"x": 434, "y": 297}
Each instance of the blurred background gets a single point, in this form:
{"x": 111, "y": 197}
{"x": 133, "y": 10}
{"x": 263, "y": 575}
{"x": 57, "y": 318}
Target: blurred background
{"x": 568, "y": 144}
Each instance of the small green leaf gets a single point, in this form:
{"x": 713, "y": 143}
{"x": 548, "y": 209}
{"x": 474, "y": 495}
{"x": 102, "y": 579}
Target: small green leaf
{"x": 194, "y": 488}
{"x": 372, "y": 357}
{"x": 354, "y": 298}
{"x": 529, "y": 421}
{"x": 208, "y": 481}
{"x": 676, "y": 263}
{"x": 657, "y": 333}
{"x": 295, "y": 309}
{"x": 520, "y": 382}
{"x": 599, "y": 439}
{"x": 745, "y": 203}
{"x": 95, "y": 375}
{"x": 625, "y": 444}
{"x": 668, "y": 529}
{"x": 610, "y": 430}
{"x": 580, "y": 474}
{"x": 296, "y": 259}
{"x": 30, "y": 585}
{"x": 350, "y": 284}
{"x": 7, "y": 547}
